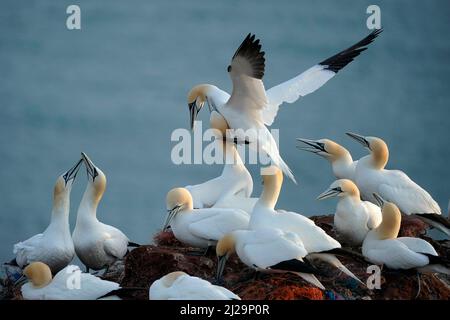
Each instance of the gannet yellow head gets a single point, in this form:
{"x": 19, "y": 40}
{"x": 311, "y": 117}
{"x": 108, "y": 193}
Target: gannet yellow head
{"x": 170, "y": 278}
{"x": 377, "y": 147}
{"x": 39, "y": 274}
{"x": 63, "y": 184}
{"x": 224, "y": 249}
{"x": 177, "y": 200}
{"x": 340, "y": 188}
{"x": 325, "y": 148}
{"x": 196, "y": 99}
{"x": 272, "y": 180}
{"x": 96, "y": 178}
{"x": 391, "y": 219}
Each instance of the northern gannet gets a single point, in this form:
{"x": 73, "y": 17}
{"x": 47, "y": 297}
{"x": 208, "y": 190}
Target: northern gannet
{"x": 68, "y": 284}
{"x": 340, "y": 158}
{"x": 353, "y": 218}
{"x": 54, "y": 246}
{"x": 267, "y": 250}
{"x": 382, "y": 246}
{"x": 316, "y": 241}
{"x": 179, "y": 285}
{"x": 235, "y": 180}
{"x": 200, "y": 228}
{"x": 251, "y": 107}
{"x": 394, "y": 185}
{"x": 98, "y": 245}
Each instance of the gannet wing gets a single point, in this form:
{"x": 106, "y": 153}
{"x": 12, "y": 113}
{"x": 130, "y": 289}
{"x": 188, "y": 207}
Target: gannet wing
{"x": 418, "y": 245}
{"x": 193, "y": 288}
{"x": 311, "y": 79}
{"x": 116, "y": 247}
{"x": 25, "y": 251}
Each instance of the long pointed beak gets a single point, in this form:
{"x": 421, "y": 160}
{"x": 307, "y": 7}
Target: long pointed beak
{"x": 72, "y": 172}
{"x": 193, "y": 111}
{"x": 22, "y": 280}
{"x": 90, "y": 167}
{"x": 379, "y": 199}
{"x": 221, "y": 261}
{"x": 361, "y": 139}
{"x": 170, "y": 215}
{"x": 311, "y": 146}
{"x": 328, "y": 194}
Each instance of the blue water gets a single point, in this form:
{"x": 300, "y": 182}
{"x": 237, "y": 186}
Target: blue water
{"x": 117, "y": 88}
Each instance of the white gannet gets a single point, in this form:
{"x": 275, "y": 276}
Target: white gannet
{"x": 394, "y": 185}
{"x": 235, "y": 179}
{"x": 267, "y": 250}
{"x": 54, "y": 246}
{"x": 68, "y": 284}
{"x": 98, "y": 245}
{"x": 251, "y": 107}
{"x": 316, "y": 241}
{"x": 353, "y": 218}
{"x": 340, "y": 158}
{"x": 179, "y": 285}
{"x": 382, "y": 246}
{"x": 200, "y": 228}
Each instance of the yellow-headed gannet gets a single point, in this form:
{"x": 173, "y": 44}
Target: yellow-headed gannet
{"x": 200, "y": 228}
{"x": 235, "y": 180}
{"x": 251, "y": 107}
{"x": 179, "y": 285}
{"x": 98, "y": 245}
{"x": 54, "y": 246}
{"x": 394, "y": 185}
{"x": 68, "y": 284}
{"x": 382, "y": 246}
{"x": 340, "y": 158}
{"x": 353, "y": 218}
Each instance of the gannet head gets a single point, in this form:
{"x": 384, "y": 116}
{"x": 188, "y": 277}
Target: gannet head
{"x": 224, "y": 249}
{"x": 39, "y": 274}
{"x": 325, "y": 148}
{"x": 340, "y": 188}
{"x": 196, "y": 99}
{"x": 376, "y": 146}
{"x": 177, "y": 200}
{"x": 170, "y": 278}
{"x": 96, "y": 177}
{"x": 272, "y": 178}
{"x": 391, "y": 219}
{"x": 63, "y": 184}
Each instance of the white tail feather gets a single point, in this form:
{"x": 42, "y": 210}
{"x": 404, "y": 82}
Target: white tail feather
{"x": 308, "y": 277}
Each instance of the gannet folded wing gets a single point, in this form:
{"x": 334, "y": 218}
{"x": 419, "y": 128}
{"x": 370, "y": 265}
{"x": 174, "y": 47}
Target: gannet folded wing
{"x": 311, "y": 79}
{"x": 26, "y": 251}
{"x": 418, "y": 245}
{"x": 194, "y": 288}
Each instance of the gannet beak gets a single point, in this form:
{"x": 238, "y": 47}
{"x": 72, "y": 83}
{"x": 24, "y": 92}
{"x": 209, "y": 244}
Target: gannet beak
{"x": 329, "y": 193}
{"x": 379, "y": 199}
{"x": 90, "y": 167}
{"x": 221, "y": 261}
{"x": 194, "y": 109}
{"x": 358, "y": 138}
{"x": 22, "y": 280}
{"x": 170, "y": 215}
{"x": 311, "y": 146}
{"x": 72, "y": 172}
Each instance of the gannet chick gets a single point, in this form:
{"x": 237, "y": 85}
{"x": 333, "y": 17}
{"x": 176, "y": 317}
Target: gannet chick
{"x": 316, "y": 241}
{"x": 251, "y": 107}
{"x": 394, "y": 185}
{"x": 98, "y": 245}
{"x": 353, "y": 218}
{"x": 340, "y": 158}
{"x": 68, "y": 284}
{"x": 235, "y": 179}
{"x": 267, "y": 250}
{"x": 200, "y": 228}
{"x": 179, "y": 285}
{"x": 382, "y": 246}
{"x": 54, "y": 246}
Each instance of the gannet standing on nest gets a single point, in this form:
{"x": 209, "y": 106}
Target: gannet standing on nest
{"x": 394, "y": 185}
{"x": 251, "y": 107}
{"x": 54, "y": 246}
{"x": 353, "y": 218}
{"x": 235, "y": 180}
{"x": 98, "y": 245}
{"x": 179, "y": 285}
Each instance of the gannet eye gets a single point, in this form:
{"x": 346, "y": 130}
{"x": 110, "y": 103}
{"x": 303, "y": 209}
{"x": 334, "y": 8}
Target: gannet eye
{"x": 229, "y": 68}
{"x": 338, "y": 189}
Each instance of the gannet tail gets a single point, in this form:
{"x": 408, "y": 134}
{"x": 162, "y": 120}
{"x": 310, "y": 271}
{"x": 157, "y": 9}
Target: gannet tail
{"x": 332, "y": 260}
{"x": 310, "y": 278}
{"x": 437, "y": 221}
{"x": 133, "y": 244}
{"x": 286, "y": 170}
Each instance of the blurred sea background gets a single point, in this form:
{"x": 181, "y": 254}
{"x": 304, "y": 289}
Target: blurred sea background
{"x": 116, "y": 89}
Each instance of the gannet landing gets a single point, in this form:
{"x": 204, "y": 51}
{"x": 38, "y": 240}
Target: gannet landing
{"x": 267, "y": 250}
{"x": 98, "y": 245}
{"x": 200, "y": 228}
{"x": 179, "y": 285}
{"x": 394, "y": 185}
{"x": 250, "y": 106}
{"x": 54, "y": 246}
{"x": 382, "y": 246}
{"x": 340, "y": 158}
{"x": 235, "y": 180}
{"x": 68, "y": 284}
{"x": 353, "y": 218}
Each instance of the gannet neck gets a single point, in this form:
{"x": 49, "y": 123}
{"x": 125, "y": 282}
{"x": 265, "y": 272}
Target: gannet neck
{"x": 272, "y": 187}
{"x": 170, "y": 278}
{"x": 89, "y": 202}
{"x": 390, "y": 224}
{"x": 343, "y": 166}
{"x": 226, "y": 246}
{"x": 379, "y": 153}
{"x": 39, "y": 274}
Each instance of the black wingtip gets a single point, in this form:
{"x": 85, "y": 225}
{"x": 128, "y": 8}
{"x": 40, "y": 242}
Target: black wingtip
{"x": 343, "y": 58}
{"x": 250, "y": 49}
{"x": 133, "y": 244}
{"x": 436, "y": 218}
{"x": 297, "y": 266}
